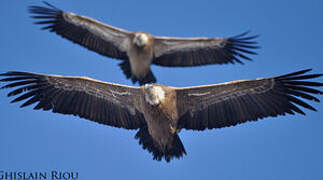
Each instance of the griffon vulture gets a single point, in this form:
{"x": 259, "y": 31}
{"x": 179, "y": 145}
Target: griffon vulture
{"x": 160, "y": 112}
{"x": 139, "y": 50}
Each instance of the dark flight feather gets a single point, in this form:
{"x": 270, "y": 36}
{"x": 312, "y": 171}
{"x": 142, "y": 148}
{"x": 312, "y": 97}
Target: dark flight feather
{"x": 75, "y": 32}
{"x": 212, "y": 51}
{"x": 54, "y": 95}
{"x": 252, "y": 100}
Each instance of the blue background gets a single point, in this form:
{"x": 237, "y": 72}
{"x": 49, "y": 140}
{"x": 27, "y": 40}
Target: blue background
{"x": 274, "y": 148}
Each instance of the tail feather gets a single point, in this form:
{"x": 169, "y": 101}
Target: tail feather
{"x": 149, "y": 78}
{"x": 176, "y": 148}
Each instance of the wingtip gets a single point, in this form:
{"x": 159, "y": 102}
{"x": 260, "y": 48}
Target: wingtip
{"x": 13, "y": 73}
{"x": 244, "y": 35}
{"x": 301, "y": 72}
{"x": 50, "y": 5}
{"x": 307, "y": 70}
{"x": 48, "y": 9}
{"x": 316, "y": 100}
{"x": 243, "y": 44}
{"x": 8, "y": 73}
{"x": 319, "y": 75}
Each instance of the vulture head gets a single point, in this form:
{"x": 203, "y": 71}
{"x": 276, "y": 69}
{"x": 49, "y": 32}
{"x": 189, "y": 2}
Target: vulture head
{"x": 154, "y": 95}
{"x": 141, "y": 39}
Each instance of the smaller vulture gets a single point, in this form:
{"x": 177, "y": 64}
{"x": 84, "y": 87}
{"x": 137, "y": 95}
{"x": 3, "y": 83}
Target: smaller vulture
{"x": 160, "y": 112}
{"x": 139, "y": 50}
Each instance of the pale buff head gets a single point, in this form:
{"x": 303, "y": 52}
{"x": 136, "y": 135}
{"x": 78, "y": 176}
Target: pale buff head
{"x": 141, "y": 39}
{"x": 154, "y": 95}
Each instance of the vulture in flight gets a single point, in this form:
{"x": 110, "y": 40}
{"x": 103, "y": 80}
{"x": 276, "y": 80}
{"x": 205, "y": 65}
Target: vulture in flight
{"x": 139, "y": 50}
{"x": 159, "y": 111}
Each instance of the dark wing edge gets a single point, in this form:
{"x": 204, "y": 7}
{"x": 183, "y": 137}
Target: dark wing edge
{"x": 94, "y": 100}
{"x": 205, "y": 51}
{"x": 280, "y": 95}
{"x": 81, "y": 30}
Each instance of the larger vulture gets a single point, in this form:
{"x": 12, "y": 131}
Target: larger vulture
{"x": 160, "y": 112}
{"x": 139, "y": 50}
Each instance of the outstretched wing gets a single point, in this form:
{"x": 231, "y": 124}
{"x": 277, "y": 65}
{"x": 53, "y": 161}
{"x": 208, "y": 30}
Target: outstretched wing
{"x": 201, "y": 51}
{"x": 98, "y": 101}
{"x": 94, "y": 35}
{"x": 236, "y": 102}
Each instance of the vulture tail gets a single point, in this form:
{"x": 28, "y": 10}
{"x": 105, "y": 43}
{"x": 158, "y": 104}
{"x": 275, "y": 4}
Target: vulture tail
{"x": 148, "y": 79}
{"x": 175, "y": 149}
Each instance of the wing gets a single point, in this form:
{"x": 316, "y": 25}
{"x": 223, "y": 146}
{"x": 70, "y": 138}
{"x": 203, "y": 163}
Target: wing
{"x": 236, "y": 102}
{"x": 202, "y": 51}
{"x": 94, "y": 35}
{"x": 98, "y": 101}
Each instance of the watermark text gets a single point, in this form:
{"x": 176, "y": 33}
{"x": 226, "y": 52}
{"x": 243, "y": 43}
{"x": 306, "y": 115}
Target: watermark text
{"x": 50, "y": 175}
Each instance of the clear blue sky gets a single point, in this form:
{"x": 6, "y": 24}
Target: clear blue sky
{"x": 274, "y": 148}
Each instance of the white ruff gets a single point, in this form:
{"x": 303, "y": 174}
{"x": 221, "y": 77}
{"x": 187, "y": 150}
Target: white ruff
{"x": 154, "y": 95}
{"x": 141, "y": 39}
